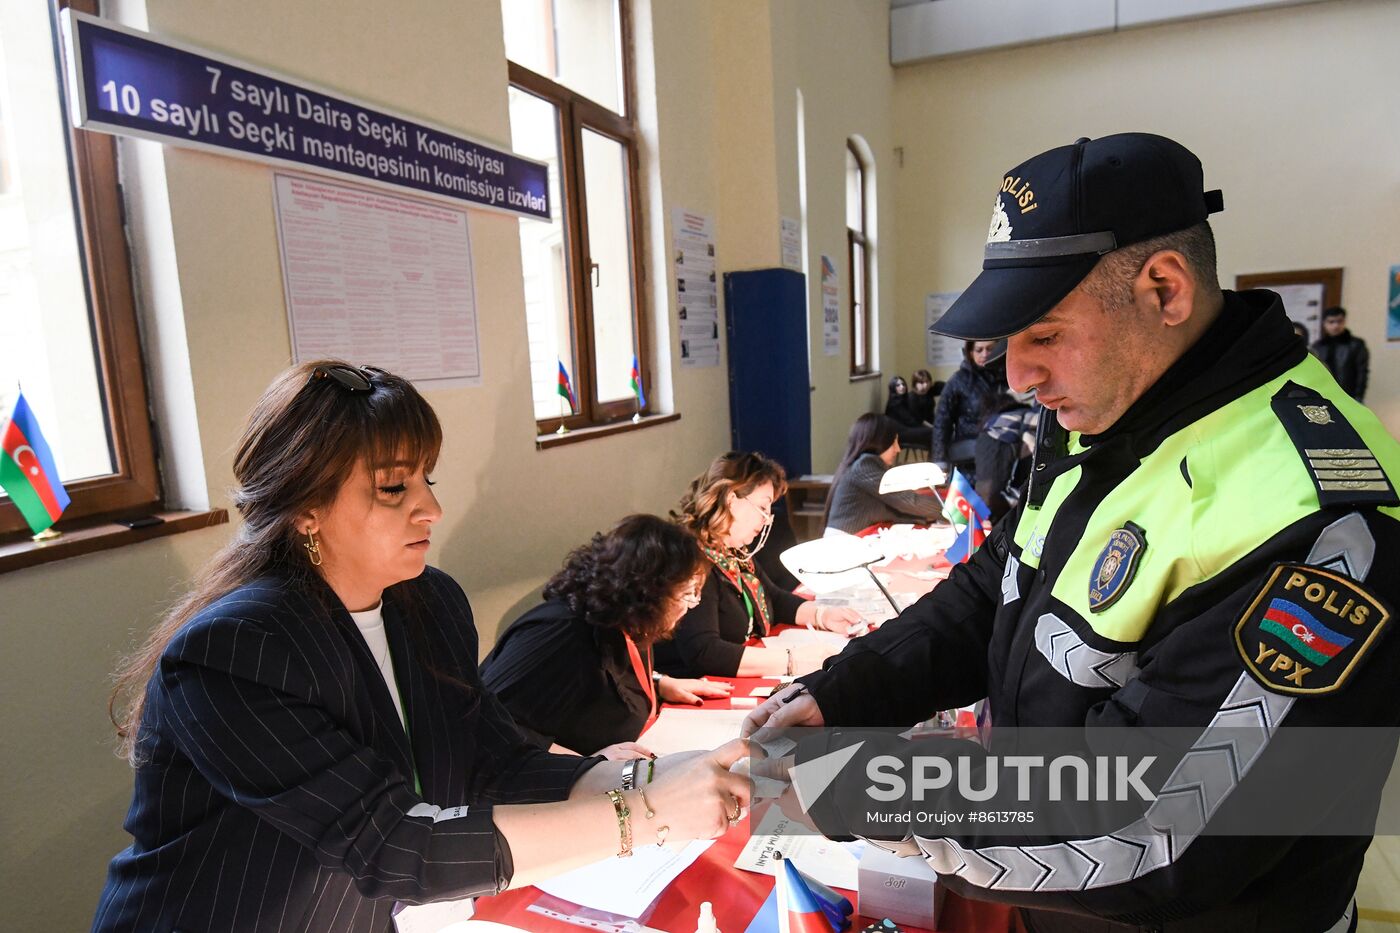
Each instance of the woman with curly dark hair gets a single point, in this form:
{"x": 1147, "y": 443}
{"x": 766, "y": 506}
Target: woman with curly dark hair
{"x": 576, "y": 672}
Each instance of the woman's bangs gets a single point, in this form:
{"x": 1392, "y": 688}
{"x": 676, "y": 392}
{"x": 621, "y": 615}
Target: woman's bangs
{"x": 402, "y": 429}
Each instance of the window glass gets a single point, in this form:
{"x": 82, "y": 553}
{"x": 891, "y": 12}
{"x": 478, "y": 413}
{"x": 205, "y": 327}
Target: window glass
{"x": 855, "y": 212}
{"x": 544, "y": 259}
{"x": 574, "y": 42}
{"x": 614, "y": 335}
{"x": 46, "y": 331}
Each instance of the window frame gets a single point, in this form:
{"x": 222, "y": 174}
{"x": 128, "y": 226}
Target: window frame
{"x": 575, "y": 114}
{"x": 133, "y": 488}
{"x": 858, "y": 313}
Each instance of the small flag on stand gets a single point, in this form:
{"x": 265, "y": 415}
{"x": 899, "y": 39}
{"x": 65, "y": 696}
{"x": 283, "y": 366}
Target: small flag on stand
{"x": 799, "y": 910}
{"x": 27, "y": 470}
{"x": 637, "y": 384}
{"x": 966, "y": 511}
{"x": 566, "y": 388}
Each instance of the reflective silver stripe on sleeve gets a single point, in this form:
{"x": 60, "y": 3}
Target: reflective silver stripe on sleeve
{"x": 1079, "y": 663}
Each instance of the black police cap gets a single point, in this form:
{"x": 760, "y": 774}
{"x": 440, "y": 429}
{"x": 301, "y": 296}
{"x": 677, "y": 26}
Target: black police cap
{"x": 1058, "y": 212}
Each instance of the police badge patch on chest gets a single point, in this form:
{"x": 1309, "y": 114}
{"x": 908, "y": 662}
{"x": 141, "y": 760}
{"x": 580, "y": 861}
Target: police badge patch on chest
{"x": 1114, "y": 569}
{"x": 1308, "y": 630}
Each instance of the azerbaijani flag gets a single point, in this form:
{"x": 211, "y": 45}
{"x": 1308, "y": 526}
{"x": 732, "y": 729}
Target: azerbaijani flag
{"x": 966, "y": 511}
{"x": 1301, "y": 631}
{"x": 27, "y": 470}
{"x": 566, "y": 388}
{"x": 799, "y": 910}
{"x": 637, "y": 383}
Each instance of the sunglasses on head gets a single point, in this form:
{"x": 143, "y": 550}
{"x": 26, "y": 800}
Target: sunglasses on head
{"x": 353, "y": 379}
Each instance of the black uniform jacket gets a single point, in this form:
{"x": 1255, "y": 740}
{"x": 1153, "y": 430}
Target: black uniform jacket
{"x": 710, "y": 637}
{"x": 1001, "y": 628}
{"x": 568, "y": 681}
{"x": 276, "y": 786}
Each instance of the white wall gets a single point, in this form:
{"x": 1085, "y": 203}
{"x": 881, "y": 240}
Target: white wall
{"x": 214, "y": 296}
{"x": 1292, "y": 111}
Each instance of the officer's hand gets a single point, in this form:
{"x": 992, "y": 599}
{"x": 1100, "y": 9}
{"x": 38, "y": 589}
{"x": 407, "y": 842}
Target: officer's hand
{"x": 777, "y": 712}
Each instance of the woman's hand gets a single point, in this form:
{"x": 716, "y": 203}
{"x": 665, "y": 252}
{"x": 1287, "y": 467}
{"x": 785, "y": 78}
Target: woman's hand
{"x": 807, "y": 658}
{"x": 838, "y": 619}
{"x": 624, "y": 751}
{"x": 693, "y": 692}
{"x": 695, "y": 795}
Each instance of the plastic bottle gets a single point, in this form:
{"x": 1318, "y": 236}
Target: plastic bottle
{"x": 706, "y": 923}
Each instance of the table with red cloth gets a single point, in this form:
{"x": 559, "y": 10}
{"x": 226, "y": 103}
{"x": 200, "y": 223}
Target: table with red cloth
{"x": 735, "y": 894}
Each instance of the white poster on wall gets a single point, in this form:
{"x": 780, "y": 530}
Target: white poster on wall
{"x": 831, "y": 309}
{"x": 940, "y": 352}
{"x": 378, "y": 279}
{"x": 697, "y": 294}
{"x": 790, "y": 239}
{"x": 1303, "y": 303}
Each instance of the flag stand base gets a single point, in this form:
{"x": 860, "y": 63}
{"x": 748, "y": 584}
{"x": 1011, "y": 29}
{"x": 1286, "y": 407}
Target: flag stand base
{"x": 637, "y": 418}
{"x": 563, "y": 429}
{"x": 47, "y": 535}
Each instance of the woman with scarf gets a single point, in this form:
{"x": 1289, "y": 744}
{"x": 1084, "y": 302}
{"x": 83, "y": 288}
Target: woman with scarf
{"x": 729, "y": 509}
{"x": 576, "y": 671}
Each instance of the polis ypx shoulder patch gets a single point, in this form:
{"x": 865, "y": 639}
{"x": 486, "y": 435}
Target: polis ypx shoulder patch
{"x": 1308, "y": 630}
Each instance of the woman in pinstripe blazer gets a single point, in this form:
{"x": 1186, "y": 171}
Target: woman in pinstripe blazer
{"x": 300, "y": 769}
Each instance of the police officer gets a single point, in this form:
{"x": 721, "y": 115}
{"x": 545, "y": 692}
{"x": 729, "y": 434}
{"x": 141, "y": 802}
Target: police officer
{"x": 1197, "y": 473}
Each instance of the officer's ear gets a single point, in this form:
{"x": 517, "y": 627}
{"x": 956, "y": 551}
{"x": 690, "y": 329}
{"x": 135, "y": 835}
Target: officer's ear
{"x": 1166, "y": 286}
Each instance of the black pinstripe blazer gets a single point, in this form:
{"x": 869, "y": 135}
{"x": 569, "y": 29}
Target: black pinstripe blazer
{"x": 275, "y": 790}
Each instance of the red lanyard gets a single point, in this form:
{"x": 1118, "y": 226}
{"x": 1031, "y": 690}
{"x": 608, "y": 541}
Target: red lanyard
{"x": 643, "y": 672}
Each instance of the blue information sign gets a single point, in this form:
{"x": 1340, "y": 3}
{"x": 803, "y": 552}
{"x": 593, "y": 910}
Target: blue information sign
{"x": 121, "y": 81}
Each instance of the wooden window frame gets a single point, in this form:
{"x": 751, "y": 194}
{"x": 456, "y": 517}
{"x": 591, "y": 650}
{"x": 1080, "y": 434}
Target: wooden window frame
{"x": 861, "y": 321}
{"x": 133, "y": 488}
{"x": 577, "y": 113}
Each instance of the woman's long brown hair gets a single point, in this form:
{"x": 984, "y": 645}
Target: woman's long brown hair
{"x": 301, "y": 442}
{"x": 703, "y": 508}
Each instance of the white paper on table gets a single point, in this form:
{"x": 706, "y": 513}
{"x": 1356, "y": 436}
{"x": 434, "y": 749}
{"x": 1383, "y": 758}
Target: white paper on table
{"x": 831, "y": 863}
{"x": 625, "y": 886}
{"x": 683, "y": 730}
{"x": 906, "y": 477}
{"x": 792, "y": 637}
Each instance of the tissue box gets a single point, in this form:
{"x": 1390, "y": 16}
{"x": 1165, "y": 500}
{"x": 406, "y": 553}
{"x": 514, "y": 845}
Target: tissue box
{"x": 905, "y": 889}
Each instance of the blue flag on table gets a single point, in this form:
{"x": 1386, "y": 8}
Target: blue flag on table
{"x": 966, "y": 510}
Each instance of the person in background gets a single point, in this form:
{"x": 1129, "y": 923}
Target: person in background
{"x": 1004, "y": 450}
{"x": 958, "y": 418}
{"x": 855, "y": 502}
{"x": 899, "y": 409}
{"x": 1301, "y": 330}
{"x": 923, "y": 395}
{"x": 311, "y": 743}
{"x": 729, "y": 508}
{"x": 1344, "y": 354}
{"x": 576, "y": 672}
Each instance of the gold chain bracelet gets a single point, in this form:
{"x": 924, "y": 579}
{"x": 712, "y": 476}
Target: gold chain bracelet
{"x": 624, "y": 822}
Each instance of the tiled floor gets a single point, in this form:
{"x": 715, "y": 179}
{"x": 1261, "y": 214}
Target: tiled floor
{"x": 1378, "y": 893}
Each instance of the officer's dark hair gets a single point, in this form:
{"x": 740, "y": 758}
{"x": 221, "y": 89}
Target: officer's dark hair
{"x": 1334, "y": 311}
{"x": 1111, "y": 282}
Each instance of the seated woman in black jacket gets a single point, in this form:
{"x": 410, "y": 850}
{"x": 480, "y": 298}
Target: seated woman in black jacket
{"x": 855, "y": 502}
{"x": 576, "y": 671}
{"x": 729, "y": 508}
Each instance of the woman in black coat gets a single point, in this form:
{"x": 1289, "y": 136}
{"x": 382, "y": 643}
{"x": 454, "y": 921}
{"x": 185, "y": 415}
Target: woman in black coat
{"x": 899, "y": 408}
{"x": 729, "y": 509}
{"x": 576, "y": 671}
{"x": 958, "y": 420}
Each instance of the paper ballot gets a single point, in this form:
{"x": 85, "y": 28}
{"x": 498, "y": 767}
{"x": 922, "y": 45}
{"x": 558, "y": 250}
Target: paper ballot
{"x": 683, "y": 730}
{"x": 625, "y": 886}
{"x": 834, "y": 864}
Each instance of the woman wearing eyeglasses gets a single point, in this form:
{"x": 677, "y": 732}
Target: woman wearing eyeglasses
{"x": 729, "y": 509}
{"x": 312, "y": 744}
{"x": 576, "y": 671}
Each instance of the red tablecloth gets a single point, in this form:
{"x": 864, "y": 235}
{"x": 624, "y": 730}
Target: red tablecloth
{"x": 735, "y": 894}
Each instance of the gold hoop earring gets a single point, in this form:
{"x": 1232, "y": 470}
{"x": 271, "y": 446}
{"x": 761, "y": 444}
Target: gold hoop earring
{"x": 313, "y": 548}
